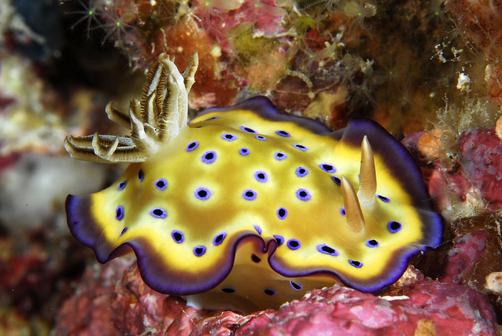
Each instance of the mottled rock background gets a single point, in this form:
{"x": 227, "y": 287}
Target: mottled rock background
{"x": 428, "y": 71}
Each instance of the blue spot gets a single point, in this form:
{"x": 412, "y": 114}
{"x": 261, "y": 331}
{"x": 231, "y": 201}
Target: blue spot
{"x": 161, "y": 184}
{"x": 372, "y": 243}
{"x": 300, "y": 147}
{"x": 282, "y": 213}
{"x": 295, "y": 285}
{"x": 383, "y": 198}
{"x": 294, "y": 244}
{"x": 356, "y": 264}
{"x": 261, "y": 176}
{"x": 327, "y": 168}
{"x": 202, "y": 193}
{"x": 269, "y": 292}
{"x": 394, "y": 226}
{"x": 303, "y": 194}
{"x": 283, "y": 133}
{"x": 323, "y": 248}
{"x": 280, "y": 156}
{"x": 119, "y": 213}
{"x": 247, "y": 129}
{"x": 219, "y": 238}
{"x": 249, "y": 195}
{"x": 209, "y": 157}
{"x": 279, "y": 240}
{"x": 122, "y": 185}
{"x": 301, "y": 171}
{"x": 123, "y": 231}
{"x": 342, "y": 211}
{"x": 228, "y": 290}
{"x": 337, "y": 180}
{"x": 199, "y": 250}
{"x": 258, "y": 229}
{"x": 244, "y": 151}
{"x": 261, "y": 137}
{"x": 158, "y": 213}
{"x": 192, "y": 145}
{"x": 177, "y": 236}
{"x": 141, "y": 175}
{"x": 228, "y": 137}
{"x": 211, "y": 118}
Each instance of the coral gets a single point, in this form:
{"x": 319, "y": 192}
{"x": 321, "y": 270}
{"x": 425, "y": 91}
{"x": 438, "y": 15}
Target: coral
{"x": 88, "y": 312}
{"x": 480, "y": 21}
{"x": 482, "y": 164}
{"x": 306, "y": 43}
{"x": 358, "y": 11}
{"x": 120, "y": 21}
{"x": 470, "y": 256}
{"x": 439, "y": 144}
{"x": 462, "y": 151}
{"x": 437, "y": 11}
{"x": 260, "y": 47}
{"x": 426, "y": 306}
{"x": 89, "y": 15}
{"x": 464, "y": 174}
{"x": 34, "y": 280}
{"x": 474, "y": 113}
{"x": 249, "y": 47}
{"x": 215, "y": 84}
{"x": 218, "y": 18}
{"x": 327, "y": 106}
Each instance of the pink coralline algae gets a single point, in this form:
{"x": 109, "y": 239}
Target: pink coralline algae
{"x": 218, "y": 18}
{"x": 474, "y": 178}
{"x": 465, "y": 256}
{"x": 482, "y": 163}
{"x": 471, "y": 252}
{"x": 424, "y": 308}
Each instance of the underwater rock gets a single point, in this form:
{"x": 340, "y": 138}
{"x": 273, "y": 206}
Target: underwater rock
{"x": 470, "y": 256}
{"x": 427, "y": 307}
{"x": 108, "y": 303}
{"x": 88, "y": 311}
{"x": 482, "y": 164}
{"x": 464, "y": 178}
{"x": 464, "y": 193}
{"x": 36, "y": 273}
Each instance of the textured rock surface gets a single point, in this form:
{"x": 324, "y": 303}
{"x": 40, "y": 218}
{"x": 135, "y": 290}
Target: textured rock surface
{"x": 472, "y": 250}
{"x": 424, "y": 308}
{"x": 461, "y": 179}
{"x": 482, "y": 163}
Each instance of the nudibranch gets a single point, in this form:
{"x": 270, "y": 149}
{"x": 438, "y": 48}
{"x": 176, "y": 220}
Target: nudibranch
{"x": 246, "y": 208}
